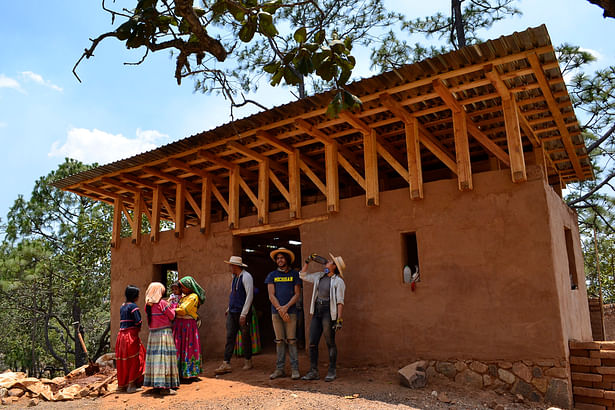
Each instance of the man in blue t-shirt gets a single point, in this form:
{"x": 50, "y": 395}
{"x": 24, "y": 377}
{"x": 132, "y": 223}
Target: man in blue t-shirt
{"x": 284, "y": 287}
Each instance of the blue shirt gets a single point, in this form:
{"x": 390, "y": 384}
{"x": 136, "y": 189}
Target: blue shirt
{"x": 284, "y": 284}
{"x": 129, "y": 316}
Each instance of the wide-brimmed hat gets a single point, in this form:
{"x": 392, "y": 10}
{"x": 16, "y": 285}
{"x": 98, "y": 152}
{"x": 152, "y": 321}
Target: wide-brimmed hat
{"x": 236, "y": 260}
{"x": 339, "y": 262}
{"x": 283, "y": 250}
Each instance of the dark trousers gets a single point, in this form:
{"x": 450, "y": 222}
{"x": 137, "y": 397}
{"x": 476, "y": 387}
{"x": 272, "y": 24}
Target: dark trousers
{"x": 322, "y": 324}
{"x": 232, "y": 327}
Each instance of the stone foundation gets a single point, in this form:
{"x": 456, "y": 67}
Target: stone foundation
{"x": 537, "y": 381}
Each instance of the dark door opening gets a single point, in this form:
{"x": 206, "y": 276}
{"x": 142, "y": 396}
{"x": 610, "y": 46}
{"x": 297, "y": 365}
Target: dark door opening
{"x": 255, "y": 250}
{"x": 166, "y": 274}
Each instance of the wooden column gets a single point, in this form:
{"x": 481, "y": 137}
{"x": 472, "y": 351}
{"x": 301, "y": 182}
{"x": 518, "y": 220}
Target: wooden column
{"x": 541, "y": 161}
{"x": 136, "y": 219}
{"x": 155, "y": 232}
{"x": 370, "y": 156}
{"x": 415, "y": 172}
{"x": 117, "y": 224}
{"x": 332, "y": 181}
{"x": 263, "y": 192}
{"x": 462, "y": 151}
{"x": 513, "y": 137}
{"x": 205, "y": 204}
{"x": 180, "y": 205}
{"x": 294, "y": 183}
{"x": 233, "y": 198}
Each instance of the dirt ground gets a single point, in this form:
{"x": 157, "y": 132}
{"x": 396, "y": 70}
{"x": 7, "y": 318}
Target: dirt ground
{"x": 355, "y": 388}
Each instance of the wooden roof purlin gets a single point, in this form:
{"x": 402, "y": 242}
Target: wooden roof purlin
{"x": 488, "y": 105}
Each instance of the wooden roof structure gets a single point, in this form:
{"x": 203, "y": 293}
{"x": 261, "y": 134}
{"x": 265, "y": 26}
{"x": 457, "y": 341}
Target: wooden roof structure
{"x": 488, "y": 105}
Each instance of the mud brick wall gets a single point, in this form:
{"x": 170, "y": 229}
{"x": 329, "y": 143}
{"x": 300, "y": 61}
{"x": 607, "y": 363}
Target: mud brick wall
{"x": 592, "y": 367}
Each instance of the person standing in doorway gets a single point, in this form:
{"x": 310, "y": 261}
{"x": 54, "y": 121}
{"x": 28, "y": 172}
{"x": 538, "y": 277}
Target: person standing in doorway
{"x": 239, "y": 307}
{"x": 283, "y": 285}
{"x": 326, "y": 308}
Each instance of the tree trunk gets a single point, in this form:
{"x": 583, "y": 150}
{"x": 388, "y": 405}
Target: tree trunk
{"x": 457, "y": 31}
{"x": 48, "y": 344}
{"x": 80, "y": 358}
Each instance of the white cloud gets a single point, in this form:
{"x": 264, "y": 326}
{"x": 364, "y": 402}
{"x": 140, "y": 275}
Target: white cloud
{"x": 3, "y": 124}
{"x": 8, "y": 82}
{"x": 593, "y": 52}
{"x": 90, "y": 146}
{"x": 37, "y": 78}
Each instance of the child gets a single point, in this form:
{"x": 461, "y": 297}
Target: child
{"x": 176, "y": 294}
{"x": 129, "y": 351}
{"x": 161, "y": 362}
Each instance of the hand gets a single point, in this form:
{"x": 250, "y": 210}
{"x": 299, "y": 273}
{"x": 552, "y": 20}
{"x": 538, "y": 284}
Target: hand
{"x": 284, "y": 315}
{"x": 308, "y": 259}
{"x": 337, "y": 326}
{"x": 242, "y": 321}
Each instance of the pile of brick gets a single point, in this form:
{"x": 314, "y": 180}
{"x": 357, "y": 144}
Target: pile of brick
{"x": 592, "y": 366}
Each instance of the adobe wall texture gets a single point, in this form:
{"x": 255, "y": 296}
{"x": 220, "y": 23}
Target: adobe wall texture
{"x": 493, "y": 262}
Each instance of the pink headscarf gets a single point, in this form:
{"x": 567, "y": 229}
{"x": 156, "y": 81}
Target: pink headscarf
{"x": 154, "y": 293}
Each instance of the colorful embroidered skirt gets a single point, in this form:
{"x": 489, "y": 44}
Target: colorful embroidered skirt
{"x": 161, "y": 360}
{"x": 188, "y": 344}
{"x": 130, "y": 357}
{"x": 254, "y": 335}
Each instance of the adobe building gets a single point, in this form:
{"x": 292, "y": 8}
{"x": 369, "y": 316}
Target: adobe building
{"x": 454, "y": 166}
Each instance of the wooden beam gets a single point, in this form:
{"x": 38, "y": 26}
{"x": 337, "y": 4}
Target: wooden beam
{"x": 187, "y": 167}
{"x": 555, "y": 111}
{"x": 195, "y": 206}
{"x": 294, "y": 184}
{"x": 436, "y": 148}
{"x": 445, "y": 94}
{"x": 415, "y": 170}
{"x": 250, "y": 153}
{"x": 541, "y": 161}
{"x": 262, "y": 206}
{"x": 370, "y": 156}
{"x": 351, "y": 171}
{"x": 271, "y": 140}
{"x": 103, "y": 192}
{"x": 233, "y": 198}
{"x": 488, "y": 143}
{"x": 168, "y": 206}
{"x": 180, "y": 205}
{"x": 111, "y": 181}
{"x": 117, "y": 224}
{"x": 513, "y": 137}
{"x": 136, "y": 219}
{"x": 246, "y": 188}
{"x": 312, "y": 176}
{"x": 206, "y": 204}
{"x": 278, "y": 184}
{"x": 333, "y": 193}
{"x": 220, "y": 198}
{"x": 145, "y": 210}
{"x": 216, "y": 160}
{"x": 278, "y": 226}
{"x": 138, "y": 181}
{"x": 155, "y": 232}
{"x": 129, "y": 218}
{"x": 462, "y": 151}
{"x": 171, "y": 178}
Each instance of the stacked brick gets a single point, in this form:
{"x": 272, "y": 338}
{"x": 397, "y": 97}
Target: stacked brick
{"x": 592, "y": 367}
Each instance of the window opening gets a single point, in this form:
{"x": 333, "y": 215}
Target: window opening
{"x": 572, "y": 266}
{"x": 410, "y": 258}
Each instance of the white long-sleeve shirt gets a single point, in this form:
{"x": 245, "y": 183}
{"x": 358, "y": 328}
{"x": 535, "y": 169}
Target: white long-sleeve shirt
{"x": 337, "y": 289}
{"x": 248, "y": 284}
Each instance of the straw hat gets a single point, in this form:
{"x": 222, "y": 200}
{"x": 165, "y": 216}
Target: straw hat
{"x": 339, "y": 262}
{"x": 236, "y": 260}
{"x": 283, "y": 250}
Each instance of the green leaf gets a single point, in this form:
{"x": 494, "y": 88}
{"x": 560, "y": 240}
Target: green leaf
{"x": 290, "y": 77}
{"x": 348, "y": 43}
{"x": 237, "y": 12}
{"x": 123, "y": 31}
{"x": 271, "y": 67}
{"x": 300, "y": 35}
{"x": 319, "y": 37}
{"x": 199, "y": 11}
{"x": 311, "y": 46}
{"x": 272, "y": 6}
{"x": 351, "y": 101}
{"x": 337, "y": 46}
{"x": 219, "y": 8}
{"x": 335, "y": 106}
{"x": 344, "y": 76}
{"x": 265, "y": 24}
{"x": 275, "y": 80}
{"x": 326, "y": 70}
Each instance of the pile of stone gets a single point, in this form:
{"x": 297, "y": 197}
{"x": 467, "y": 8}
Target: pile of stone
{"x": 75, "y": 385}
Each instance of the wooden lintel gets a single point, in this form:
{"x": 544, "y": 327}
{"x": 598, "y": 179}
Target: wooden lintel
{"x": 136, "y": 219}
{"x": 156, "y": 202}
{"x": 274, "y": 141}
{"x": 262, "y": 205}
{"x": 294, "y": 184}
{"x": 206, "y": 204}
{"x": 462, "y": 151}
{"x": 246, "y": 188}
{"x": 370, "y": 156}
{"x": 180, "y": 206}
{"x": 279, "y": 185}
{"x": 250, "y": 153}
{"x": 312, "y": 176}
{"x": 415, "y": 170}
{"x": 117, "y": 224}
{"x": 332, "y": 184}
{"x": 278, "y": 226}
{"x": 233, "y": 198}
{"x": 513, "y": 138}
{"x": 555, "y": 111}
{"x": 220, "y": 198}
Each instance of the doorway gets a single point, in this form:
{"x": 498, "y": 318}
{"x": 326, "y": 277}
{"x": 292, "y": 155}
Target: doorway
{"x": 166, "y": 273}
{"x": 255, "y": 250}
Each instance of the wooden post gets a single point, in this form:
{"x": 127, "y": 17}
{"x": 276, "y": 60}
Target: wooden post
{"x": 136, "y": 219}
{"x": 155, "y": 232}
{"x": 462, "y": 151}
{"x": 513, "y": 137}
{"x": 117, "y": 224}
{"x": 263, "y": 192}
{"x": 332, "y": 181}
{"x": 415, "y": 172}
{"x": 370, "y": 156}
{"x": 180, "y": 205}
{"x": 294, "y": 184}
{"x": 233, "y": 198}
{"x": 205, "y": 204}
{"x": 541, "y": 161}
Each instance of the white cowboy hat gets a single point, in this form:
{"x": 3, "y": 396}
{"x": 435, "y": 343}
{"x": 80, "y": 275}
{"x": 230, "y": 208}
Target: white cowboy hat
{"x": 236, "y": 260}
{"x": 283, "y": 250}
{"x": 339, "y": 262}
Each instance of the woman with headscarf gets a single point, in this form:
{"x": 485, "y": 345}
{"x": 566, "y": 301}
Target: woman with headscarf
{"x": 161, "y": 360}
{"x": 186, "y": 329}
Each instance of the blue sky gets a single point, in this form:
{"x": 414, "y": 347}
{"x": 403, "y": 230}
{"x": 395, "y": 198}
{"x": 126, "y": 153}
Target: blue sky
{"x": 118, "y": 111}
